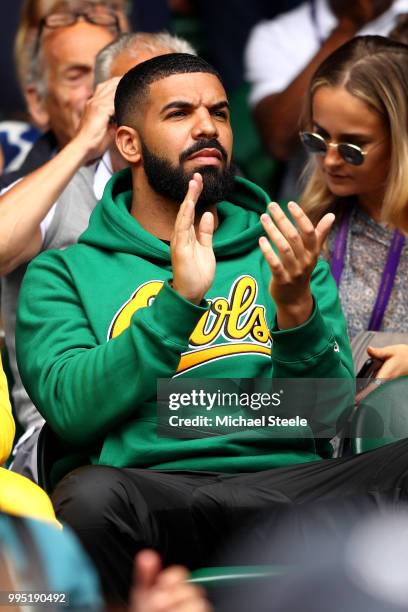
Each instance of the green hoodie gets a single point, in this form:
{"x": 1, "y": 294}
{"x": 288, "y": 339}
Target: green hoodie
{"x": 98, "y": 324}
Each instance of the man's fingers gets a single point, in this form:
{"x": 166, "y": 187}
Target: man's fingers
{"x": 180, "y": 598}
{"x": 287, "y": 229}
{"x": 284, "y": 248}
{"x": 323, "y": 229}
{"x": 304, "y": 226}
{"x": 180, "y": 595}
{"x": 173, "y": 575}
{"x": 185, "y": 217}
{"x": 206, "y": 230}
{"x": 107, "y": 87}
{"x": 195, "y": 187}
{"x": 273, "y": 260}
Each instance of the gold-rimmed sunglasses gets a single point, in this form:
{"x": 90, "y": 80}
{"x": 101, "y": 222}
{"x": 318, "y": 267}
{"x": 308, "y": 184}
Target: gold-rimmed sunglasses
{"x": 315, "y": 143}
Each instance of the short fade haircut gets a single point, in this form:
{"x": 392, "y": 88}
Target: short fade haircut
{"x": 134, "y": 44}
{"x": 133, "y": 88}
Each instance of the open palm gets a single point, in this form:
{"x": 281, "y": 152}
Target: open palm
{"x": 192, "y": 255}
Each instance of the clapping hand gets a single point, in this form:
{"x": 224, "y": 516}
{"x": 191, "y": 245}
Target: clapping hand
{"x": 298, "y": 248}
{"x": 192, "y": 255}
{"x": 168, "y": 590}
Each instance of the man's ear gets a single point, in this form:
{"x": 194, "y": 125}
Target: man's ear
{"x": 128, "y": 144}
{"x": 37, "y": 108}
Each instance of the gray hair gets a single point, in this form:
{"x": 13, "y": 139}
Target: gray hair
{"x": 135, "y": 44}
{"x": 36, "y": 73}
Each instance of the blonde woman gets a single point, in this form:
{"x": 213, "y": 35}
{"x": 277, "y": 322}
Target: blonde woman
{"x": 356, "y": 128}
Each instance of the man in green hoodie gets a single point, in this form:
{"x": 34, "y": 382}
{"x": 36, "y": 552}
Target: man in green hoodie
{"x": 161, "y": 285}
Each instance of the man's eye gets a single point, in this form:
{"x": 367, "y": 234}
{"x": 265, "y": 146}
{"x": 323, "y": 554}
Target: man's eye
{"x": 74, "y": 75}
{"x": 221, "y": 114}
{"x": 178, "y": 113}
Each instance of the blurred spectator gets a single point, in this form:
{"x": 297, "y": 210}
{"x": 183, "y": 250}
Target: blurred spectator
{"x": 168, "y": 590}
{"x": 150, "y": 15}
{"x": 37, "y": 557}
{"x": 59, "y": 83}
{"x": 16, "y": 139}
{"x": 346, "y": 556}
{"x": 56, "y": 75}
{"x": 144, "y": 15}
{"x": 282, "y": 55}
{"x": 235, "y": 18}
{"x": 32, "y": 14}
{"x": 400, "y": 32}
{"x": 17, "y": 136}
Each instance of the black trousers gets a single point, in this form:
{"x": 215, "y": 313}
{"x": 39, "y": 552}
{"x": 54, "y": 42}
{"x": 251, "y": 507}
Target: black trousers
{"x": 189, "y": 517}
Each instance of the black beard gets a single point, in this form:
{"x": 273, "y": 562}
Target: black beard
{"x": 172, "y": 181}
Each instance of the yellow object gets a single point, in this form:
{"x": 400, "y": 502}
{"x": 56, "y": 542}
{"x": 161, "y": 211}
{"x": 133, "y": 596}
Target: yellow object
{"x": 18, "y": 495}
{"x": 7, "y": 427}
{"x": 22, "y": 497}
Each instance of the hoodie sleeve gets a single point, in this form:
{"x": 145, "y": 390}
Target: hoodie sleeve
{"x": 319, "y": 349}
{"x": 81, "y": 387}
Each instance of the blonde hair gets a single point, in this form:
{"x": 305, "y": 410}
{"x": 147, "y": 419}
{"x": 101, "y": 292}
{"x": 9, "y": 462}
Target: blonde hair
{"x": 374, "y": 69}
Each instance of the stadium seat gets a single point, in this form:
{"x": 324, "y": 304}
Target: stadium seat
{"x": 382, "y": 417}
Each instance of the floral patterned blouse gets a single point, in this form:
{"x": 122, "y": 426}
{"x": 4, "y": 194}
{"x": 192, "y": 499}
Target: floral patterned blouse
{"x": 367, "y": 249}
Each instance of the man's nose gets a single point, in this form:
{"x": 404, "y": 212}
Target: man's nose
{"x": 205, "y": 126}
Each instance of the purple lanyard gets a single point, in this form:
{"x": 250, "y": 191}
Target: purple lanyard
{"x": 388, "y": 275}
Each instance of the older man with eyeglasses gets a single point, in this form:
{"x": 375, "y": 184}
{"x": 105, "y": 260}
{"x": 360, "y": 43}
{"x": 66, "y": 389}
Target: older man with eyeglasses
{"x": 98, "y": 13}
{"x": 60, "y": 74}
{"x": 58, "y": 83}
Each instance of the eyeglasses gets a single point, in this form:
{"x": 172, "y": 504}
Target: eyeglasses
{"x": 97, "y": 16}
{"x": 105, "y": 17}
{"x": 316, "y": 144}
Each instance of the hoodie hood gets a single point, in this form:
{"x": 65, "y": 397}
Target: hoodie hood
{"x": 112, "y": 227}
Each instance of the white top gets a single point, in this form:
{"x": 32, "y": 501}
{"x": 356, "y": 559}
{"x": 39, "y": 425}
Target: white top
{"x": 279, "y": 49}
{"x": 103, "y": 173}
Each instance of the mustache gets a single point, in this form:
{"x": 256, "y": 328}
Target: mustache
{"x": 211, "y": 143}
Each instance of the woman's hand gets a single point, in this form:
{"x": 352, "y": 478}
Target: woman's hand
{"x": 395, "y": 359}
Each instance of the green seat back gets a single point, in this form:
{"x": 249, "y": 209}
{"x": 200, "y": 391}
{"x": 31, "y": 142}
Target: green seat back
{"x": 211, "y": 577}
{"x": 382, "y": 417}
